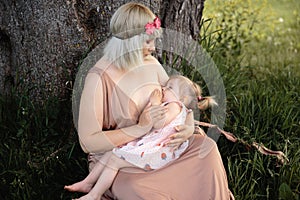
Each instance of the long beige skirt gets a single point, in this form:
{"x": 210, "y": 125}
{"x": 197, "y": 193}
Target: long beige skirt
{"x": 198, "y": 174}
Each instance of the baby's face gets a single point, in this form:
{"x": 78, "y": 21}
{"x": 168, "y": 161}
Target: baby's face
{"x": 170, "y": 91}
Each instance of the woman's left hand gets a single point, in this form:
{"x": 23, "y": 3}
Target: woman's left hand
{"x": 184, "y": 132}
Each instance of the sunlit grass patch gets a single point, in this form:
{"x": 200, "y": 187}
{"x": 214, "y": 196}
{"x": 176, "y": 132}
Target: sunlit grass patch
{"x": 260, "y": 64}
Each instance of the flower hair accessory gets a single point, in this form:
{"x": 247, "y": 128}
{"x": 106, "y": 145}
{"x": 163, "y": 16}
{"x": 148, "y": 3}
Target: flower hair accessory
{"x": 151, "y": 26}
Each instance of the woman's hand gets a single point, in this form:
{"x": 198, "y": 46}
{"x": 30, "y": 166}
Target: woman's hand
{"x": 152, "y": 114}
{"x": 184, "y": 132}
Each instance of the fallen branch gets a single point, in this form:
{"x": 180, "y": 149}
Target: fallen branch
{"x": 282, "y": 158}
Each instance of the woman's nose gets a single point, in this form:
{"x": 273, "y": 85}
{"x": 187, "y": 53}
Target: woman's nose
{"x": 152, "y": 46}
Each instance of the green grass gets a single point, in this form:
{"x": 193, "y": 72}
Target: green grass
{"x": 260, "y": 63}
{"x": 39, "y": 148}
{"x": 258, "y": 57}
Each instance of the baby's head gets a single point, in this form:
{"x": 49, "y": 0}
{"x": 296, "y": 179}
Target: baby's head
{"x": 183, "y": 89}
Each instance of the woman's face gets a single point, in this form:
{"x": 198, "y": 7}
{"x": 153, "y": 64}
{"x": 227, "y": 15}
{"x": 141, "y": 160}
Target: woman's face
{"x": 148, "y": 47}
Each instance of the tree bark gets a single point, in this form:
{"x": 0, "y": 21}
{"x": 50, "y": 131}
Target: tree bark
{"x": 182, "y": 15}
{"x": 43, "y": 42}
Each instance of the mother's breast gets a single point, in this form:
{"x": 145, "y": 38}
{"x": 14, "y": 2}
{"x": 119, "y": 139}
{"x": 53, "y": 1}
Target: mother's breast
{"x": 138, "y": 84}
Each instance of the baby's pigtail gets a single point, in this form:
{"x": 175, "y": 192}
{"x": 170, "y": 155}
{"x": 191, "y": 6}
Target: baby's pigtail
{"x": 206, "y": 102}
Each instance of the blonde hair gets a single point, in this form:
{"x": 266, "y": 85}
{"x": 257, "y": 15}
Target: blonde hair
{"x": 127, "y": 26}
{"x": 190, "y": 93}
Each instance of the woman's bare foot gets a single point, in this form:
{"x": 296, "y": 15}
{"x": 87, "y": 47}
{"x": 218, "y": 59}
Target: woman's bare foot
{"x": 79, "y": 187}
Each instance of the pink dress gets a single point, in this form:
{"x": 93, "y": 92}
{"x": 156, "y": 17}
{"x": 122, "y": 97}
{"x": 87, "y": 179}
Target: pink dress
{"x": 149, "y": 152}
{"x": 197, "y": 174}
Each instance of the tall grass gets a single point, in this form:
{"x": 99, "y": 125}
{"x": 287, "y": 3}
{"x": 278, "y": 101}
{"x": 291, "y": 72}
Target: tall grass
{"x": 39, "y": 152}
{"x": 261, "y": 72}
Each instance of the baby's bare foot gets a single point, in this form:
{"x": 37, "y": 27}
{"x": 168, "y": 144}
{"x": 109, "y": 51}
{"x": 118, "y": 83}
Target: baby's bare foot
{"x": 79, "y": 187}
{"x": 89, "y": 197}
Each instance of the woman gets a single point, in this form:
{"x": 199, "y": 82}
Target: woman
{"x": 114, "y": 110}
{"x": 180, "y": 96}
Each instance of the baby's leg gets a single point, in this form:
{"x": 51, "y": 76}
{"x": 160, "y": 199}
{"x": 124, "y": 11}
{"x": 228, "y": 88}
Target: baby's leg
{"x": 86, "y": 184}
{"x": 106, "y": 178}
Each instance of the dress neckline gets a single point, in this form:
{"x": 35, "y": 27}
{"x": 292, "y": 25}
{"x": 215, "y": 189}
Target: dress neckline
{"x": 107, "y": 78}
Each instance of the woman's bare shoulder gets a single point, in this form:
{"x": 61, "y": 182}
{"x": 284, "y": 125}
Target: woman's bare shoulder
{"x": 108, "y": 68}
{"x": 103, "y": 64}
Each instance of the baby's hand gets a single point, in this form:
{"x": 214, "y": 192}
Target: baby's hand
{"x": 155, "y": 97}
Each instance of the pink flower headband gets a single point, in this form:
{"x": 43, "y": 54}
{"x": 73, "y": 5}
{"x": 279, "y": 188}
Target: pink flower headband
{"x": 151, "y": 26}
{"x": 149, "y": 29}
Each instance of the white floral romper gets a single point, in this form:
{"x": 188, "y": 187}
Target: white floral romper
{"x": 149, "y": 152}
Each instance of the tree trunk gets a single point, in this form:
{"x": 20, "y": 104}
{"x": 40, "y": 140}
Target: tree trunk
{"x": 43, "y": 42}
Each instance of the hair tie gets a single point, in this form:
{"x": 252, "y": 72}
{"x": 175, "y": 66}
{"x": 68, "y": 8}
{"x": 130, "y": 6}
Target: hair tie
{"x": 200, "y": 98}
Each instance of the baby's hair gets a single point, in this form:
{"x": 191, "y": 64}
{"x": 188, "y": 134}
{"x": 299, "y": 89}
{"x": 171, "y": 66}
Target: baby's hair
{"x": 191, "y": 94}
{"x": 203, "y": 102}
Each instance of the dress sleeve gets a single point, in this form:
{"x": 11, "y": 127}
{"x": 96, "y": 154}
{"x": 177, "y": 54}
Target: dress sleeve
{"x": 90, "y": 123}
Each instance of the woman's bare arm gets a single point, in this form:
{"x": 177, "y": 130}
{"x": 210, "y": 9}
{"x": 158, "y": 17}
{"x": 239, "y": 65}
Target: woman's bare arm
{"x": 91, "y": 136}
